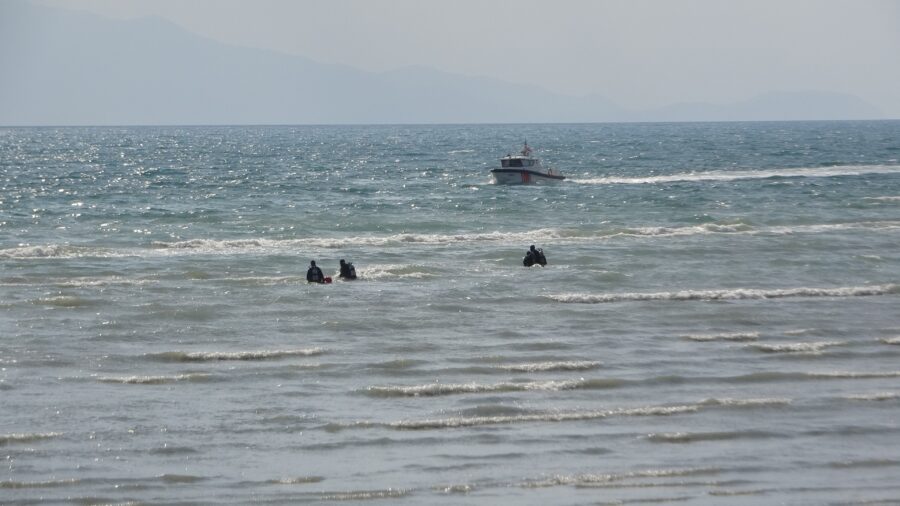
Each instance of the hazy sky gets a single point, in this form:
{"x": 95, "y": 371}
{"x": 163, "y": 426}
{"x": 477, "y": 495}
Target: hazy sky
{"x": 638, "y": 53}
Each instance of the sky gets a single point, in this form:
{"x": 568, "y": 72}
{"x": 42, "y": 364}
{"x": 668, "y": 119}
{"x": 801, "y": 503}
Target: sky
{"x": 639, "y": 53}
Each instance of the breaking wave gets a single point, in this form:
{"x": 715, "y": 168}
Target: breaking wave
{"x": 878, "y": 396}
{"x": 586, "y": 479}
{"x": 549, "y": 366}
{"x": 473, "y": 421}
{"x": 38, "y": 484}
{"x": 734, "y": 336}
{"x": 811, "y": 347}
{"x": 153, "y": 380}
{"x": 27, "y": 437}
{"x": 390, "y": 493}
{"x": 723, "y": 175}
{"x": 695, "y": 437}
{"x": 210, "y": 356}
{"x": 734, "y": 294}
{"x": 291, "y": 246}
{"x": 436, "y": 389}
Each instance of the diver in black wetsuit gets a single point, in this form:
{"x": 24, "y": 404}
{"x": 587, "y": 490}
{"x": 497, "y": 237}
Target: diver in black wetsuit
{"x": 534, "y": 256}
{"x": 347, "y": 270}
{"x": 314, "y": 274}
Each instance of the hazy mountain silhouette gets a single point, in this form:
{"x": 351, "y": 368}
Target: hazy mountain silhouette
{"x": 68, "y": 67}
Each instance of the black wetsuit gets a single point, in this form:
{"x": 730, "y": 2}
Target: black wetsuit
{"x": 348, "y": 271}
{"x": 314, "y": 275}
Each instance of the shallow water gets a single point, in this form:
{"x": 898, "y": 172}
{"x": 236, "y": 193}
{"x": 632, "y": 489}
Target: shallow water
{"x": 717, "y": 322}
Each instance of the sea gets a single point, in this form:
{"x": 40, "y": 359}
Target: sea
{"x": 718, "y": 321}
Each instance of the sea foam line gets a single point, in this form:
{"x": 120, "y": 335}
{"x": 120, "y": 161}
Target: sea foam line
{"x": 210, "y": 356}
{"x": 732, "y": 336}
{"x": 153, "y": 380}
{"x": 26, "y": 437}
{"x": 291, "y": 246}
{"x": 733, "y": 294}
{"x": 473, "y": 421}
{"x": 436, "y": 389}
{"x": 815, "y": 347}
{"x": 723, "y": 175}
{"x": 577, "y": 365}
{"x": 589, "y": 479}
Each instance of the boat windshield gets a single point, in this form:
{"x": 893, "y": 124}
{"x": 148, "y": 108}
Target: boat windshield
{"x": 516, "y": 162}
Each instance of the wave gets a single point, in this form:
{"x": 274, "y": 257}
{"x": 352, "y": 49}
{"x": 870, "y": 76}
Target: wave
{"x": 436, "y": 389}
{"x": 27, "y": 437}
{"x": 291, "y": 246}
{"x": 734, "y": 336}
{"x": 584, "y": 479}
{"x": 891, "y": 340}
{"x": 695, "y": 437}
{"x": 733, "y": 294}
{"x": 549, "y": 366}
{"x": 55, "y": 251}
{"x": 809, "y": 347}
{"x": 759, "y": 377}
{"x": 77, "y": 282}
{"x": 297, "y": 481}
{"x": 886, "y": 198}
{"x": 393, "y": 271}
{"x": 210, "y": 356}
{"x": 180, "y": 478}
{"x": 153, "y": 380}
{"x": 10, "y": 484}
{"x": 65, "y": 301}
{"x": 456, "y": 422}
{"x": 391, "y": 493}
{"x": 724, "y": 175}
{"x": 746, "y": 403}
{"x": 878, "y": 396}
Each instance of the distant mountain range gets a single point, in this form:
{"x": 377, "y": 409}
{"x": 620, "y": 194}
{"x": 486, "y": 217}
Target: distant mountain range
{"x": 74, "y": 68}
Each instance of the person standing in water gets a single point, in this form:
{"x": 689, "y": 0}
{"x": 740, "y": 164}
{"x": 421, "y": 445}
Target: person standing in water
{"x": 347, "y": 270}
{"x": 314, "y": 274}
{"x": 534, "y": 256}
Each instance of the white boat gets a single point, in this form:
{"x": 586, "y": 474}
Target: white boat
{"x": 523, "y": 169}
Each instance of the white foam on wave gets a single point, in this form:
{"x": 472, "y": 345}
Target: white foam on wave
{"x": 886, "y": 198}
{"x": 746, "y": 403}
{"x": 435, "y": 389}
{"x": 878, "y": 396}
{"x": 27, "y": 437}
{"x": 152, "y": 380}
{"x": 209, "y": 356}
{"x": 581, "y": 365}
{"x": 12, "y": 484}
{"x": 393, "y": 271}
{"x": 591, "y": 478}
{"x": 732, "y": 294}
{"x": 62, "y": 251}
{"x": 814, "y": 347}
{"x": 291, "y": 246}
{"x": 725, "y": 175}
{"x": 853, "y": 375}
{"x": 891, "y": 340}
{"x": 732, "y": 336}
{"x": 360, "y": 495}
{"x": 473, "y": 421}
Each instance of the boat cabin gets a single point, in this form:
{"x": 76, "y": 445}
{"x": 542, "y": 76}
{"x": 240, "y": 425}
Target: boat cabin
{"x": 516, "y": 162}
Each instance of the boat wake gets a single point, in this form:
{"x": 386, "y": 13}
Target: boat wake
{"x": 723, "y": 175}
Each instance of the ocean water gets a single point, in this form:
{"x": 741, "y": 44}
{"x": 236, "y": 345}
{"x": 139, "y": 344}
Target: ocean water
{"x": 719, "y": 322}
